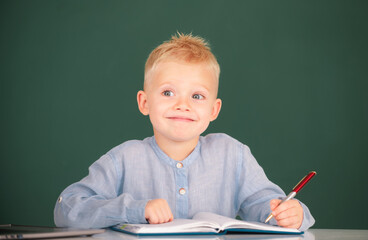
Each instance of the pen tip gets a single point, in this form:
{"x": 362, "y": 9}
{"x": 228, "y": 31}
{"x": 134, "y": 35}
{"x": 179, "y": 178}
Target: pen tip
{"x": 269, "y": 218}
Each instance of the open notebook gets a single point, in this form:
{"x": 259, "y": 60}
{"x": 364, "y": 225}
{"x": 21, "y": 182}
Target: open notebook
{"x": 203, "y": 223}
{"x": 11, "y": 231}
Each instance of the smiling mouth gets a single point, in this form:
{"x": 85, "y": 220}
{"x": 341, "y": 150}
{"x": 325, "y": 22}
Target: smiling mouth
{"x": 182, "y": 119}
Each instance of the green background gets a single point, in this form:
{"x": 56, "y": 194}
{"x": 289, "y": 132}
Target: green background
{"x": 293, "y": 85}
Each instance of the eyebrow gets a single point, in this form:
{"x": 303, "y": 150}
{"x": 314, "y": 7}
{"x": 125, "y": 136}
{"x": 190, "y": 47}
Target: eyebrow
{"x": 200, "y": 87}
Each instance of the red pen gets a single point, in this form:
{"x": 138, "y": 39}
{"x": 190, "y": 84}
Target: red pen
{"x": 295, "y": 190}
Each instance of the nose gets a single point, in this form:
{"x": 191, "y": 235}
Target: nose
{"x": 182, "y": 105}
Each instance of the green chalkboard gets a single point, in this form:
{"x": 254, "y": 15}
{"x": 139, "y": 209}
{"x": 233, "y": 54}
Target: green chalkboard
{"x": 293, "y": 83}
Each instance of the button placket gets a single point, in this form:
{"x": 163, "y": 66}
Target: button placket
{"x": 182, "y": 190}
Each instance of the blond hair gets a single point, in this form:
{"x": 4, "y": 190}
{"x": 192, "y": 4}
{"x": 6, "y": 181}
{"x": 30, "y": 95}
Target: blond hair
{"x": 182, "y": 47}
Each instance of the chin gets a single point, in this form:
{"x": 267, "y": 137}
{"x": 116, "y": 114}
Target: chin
{"x": 180, "y": 135}
{"x": 177, "y": 137}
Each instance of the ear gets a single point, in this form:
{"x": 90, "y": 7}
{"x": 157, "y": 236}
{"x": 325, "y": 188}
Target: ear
{"x": 142, "y": 102}
{"x": 216, "y": 109}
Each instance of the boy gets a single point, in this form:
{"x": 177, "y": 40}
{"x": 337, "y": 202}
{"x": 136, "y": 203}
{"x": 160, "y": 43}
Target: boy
{"x": 177, "y": 173}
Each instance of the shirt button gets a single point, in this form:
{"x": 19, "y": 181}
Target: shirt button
{"x": 182, "y": 191}
{"x": 60, "y": 199}
{"x": 179, "y": 165}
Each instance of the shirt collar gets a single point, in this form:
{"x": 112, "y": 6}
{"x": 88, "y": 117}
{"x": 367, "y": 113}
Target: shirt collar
{"x": 165, "y": 158}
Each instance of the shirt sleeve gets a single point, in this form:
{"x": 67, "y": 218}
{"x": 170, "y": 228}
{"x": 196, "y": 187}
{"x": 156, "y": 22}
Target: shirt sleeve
{"x": 94, "y": 202}
{"x": 256, "y": 191}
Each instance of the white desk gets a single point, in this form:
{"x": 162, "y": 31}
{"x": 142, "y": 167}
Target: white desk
{"x": 312, "y": 234}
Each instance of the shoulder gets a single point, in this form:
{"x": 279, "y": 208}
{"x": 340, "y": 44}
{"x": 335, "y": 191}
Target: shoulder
{"x": 130, "y": 147}
{"x": 219, "y": 140}
{"x": 224, "y": 151}
{"x": 125, "y": 155}
{"x": 223, "y": 144}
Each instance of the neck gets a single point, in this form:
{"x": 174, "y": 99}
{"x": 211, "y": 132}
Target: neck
{"x": 176, "y": 150}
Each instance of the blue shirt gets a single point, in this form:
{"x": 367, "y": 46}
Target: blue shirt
{"x": 220, "y": 176}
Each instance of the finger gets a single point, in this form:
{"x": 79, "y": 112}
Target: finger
{"x": 291, "y": 212}
{"x": 156, "y": 216}
{"x": 171, "y": 216}
{"x": 158, "y": 211}
{"x": 290, "y": 215}
{"x": 159, "y": 216}
{"x": 149, "y": 213}
{"x": 163, "y": 212}
{"x": 291, "y": 222}
{"x": 168, "y": 214}
{"x": 284, "y": 207}
{"x": 274, "y": 203}
{"x": 152, "y": 211}
{"x": 152, "y": 218}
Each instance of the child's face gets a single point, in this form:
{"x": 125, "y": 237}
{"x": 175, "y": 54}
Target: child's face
{"x": 181, "y": 100}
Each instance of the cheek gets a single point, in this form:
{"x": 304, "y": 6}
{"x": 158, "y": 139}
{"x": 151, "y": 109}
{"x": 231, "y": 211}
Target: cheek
{"x": 158, "y": 108}
{"x": 206, "y": 112}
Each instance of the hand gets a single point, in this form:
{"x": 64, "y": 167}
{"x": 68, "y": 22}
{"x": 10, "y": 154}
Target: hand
{"x": 289, "y": 214}
{"x": 158, "y": 211}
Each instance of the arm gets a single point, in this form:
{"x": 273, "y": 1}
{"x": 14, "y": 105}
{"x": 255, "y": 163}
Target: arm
{"x": 94, "y": 202}
{"x": 256, "y": 192}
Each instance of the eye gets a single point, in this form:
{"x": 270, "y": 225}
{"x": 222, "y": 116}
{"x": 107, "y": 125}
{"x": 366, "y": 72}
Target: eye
{"x": 198, "y": 96}
{"x": 168, "y": 93}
